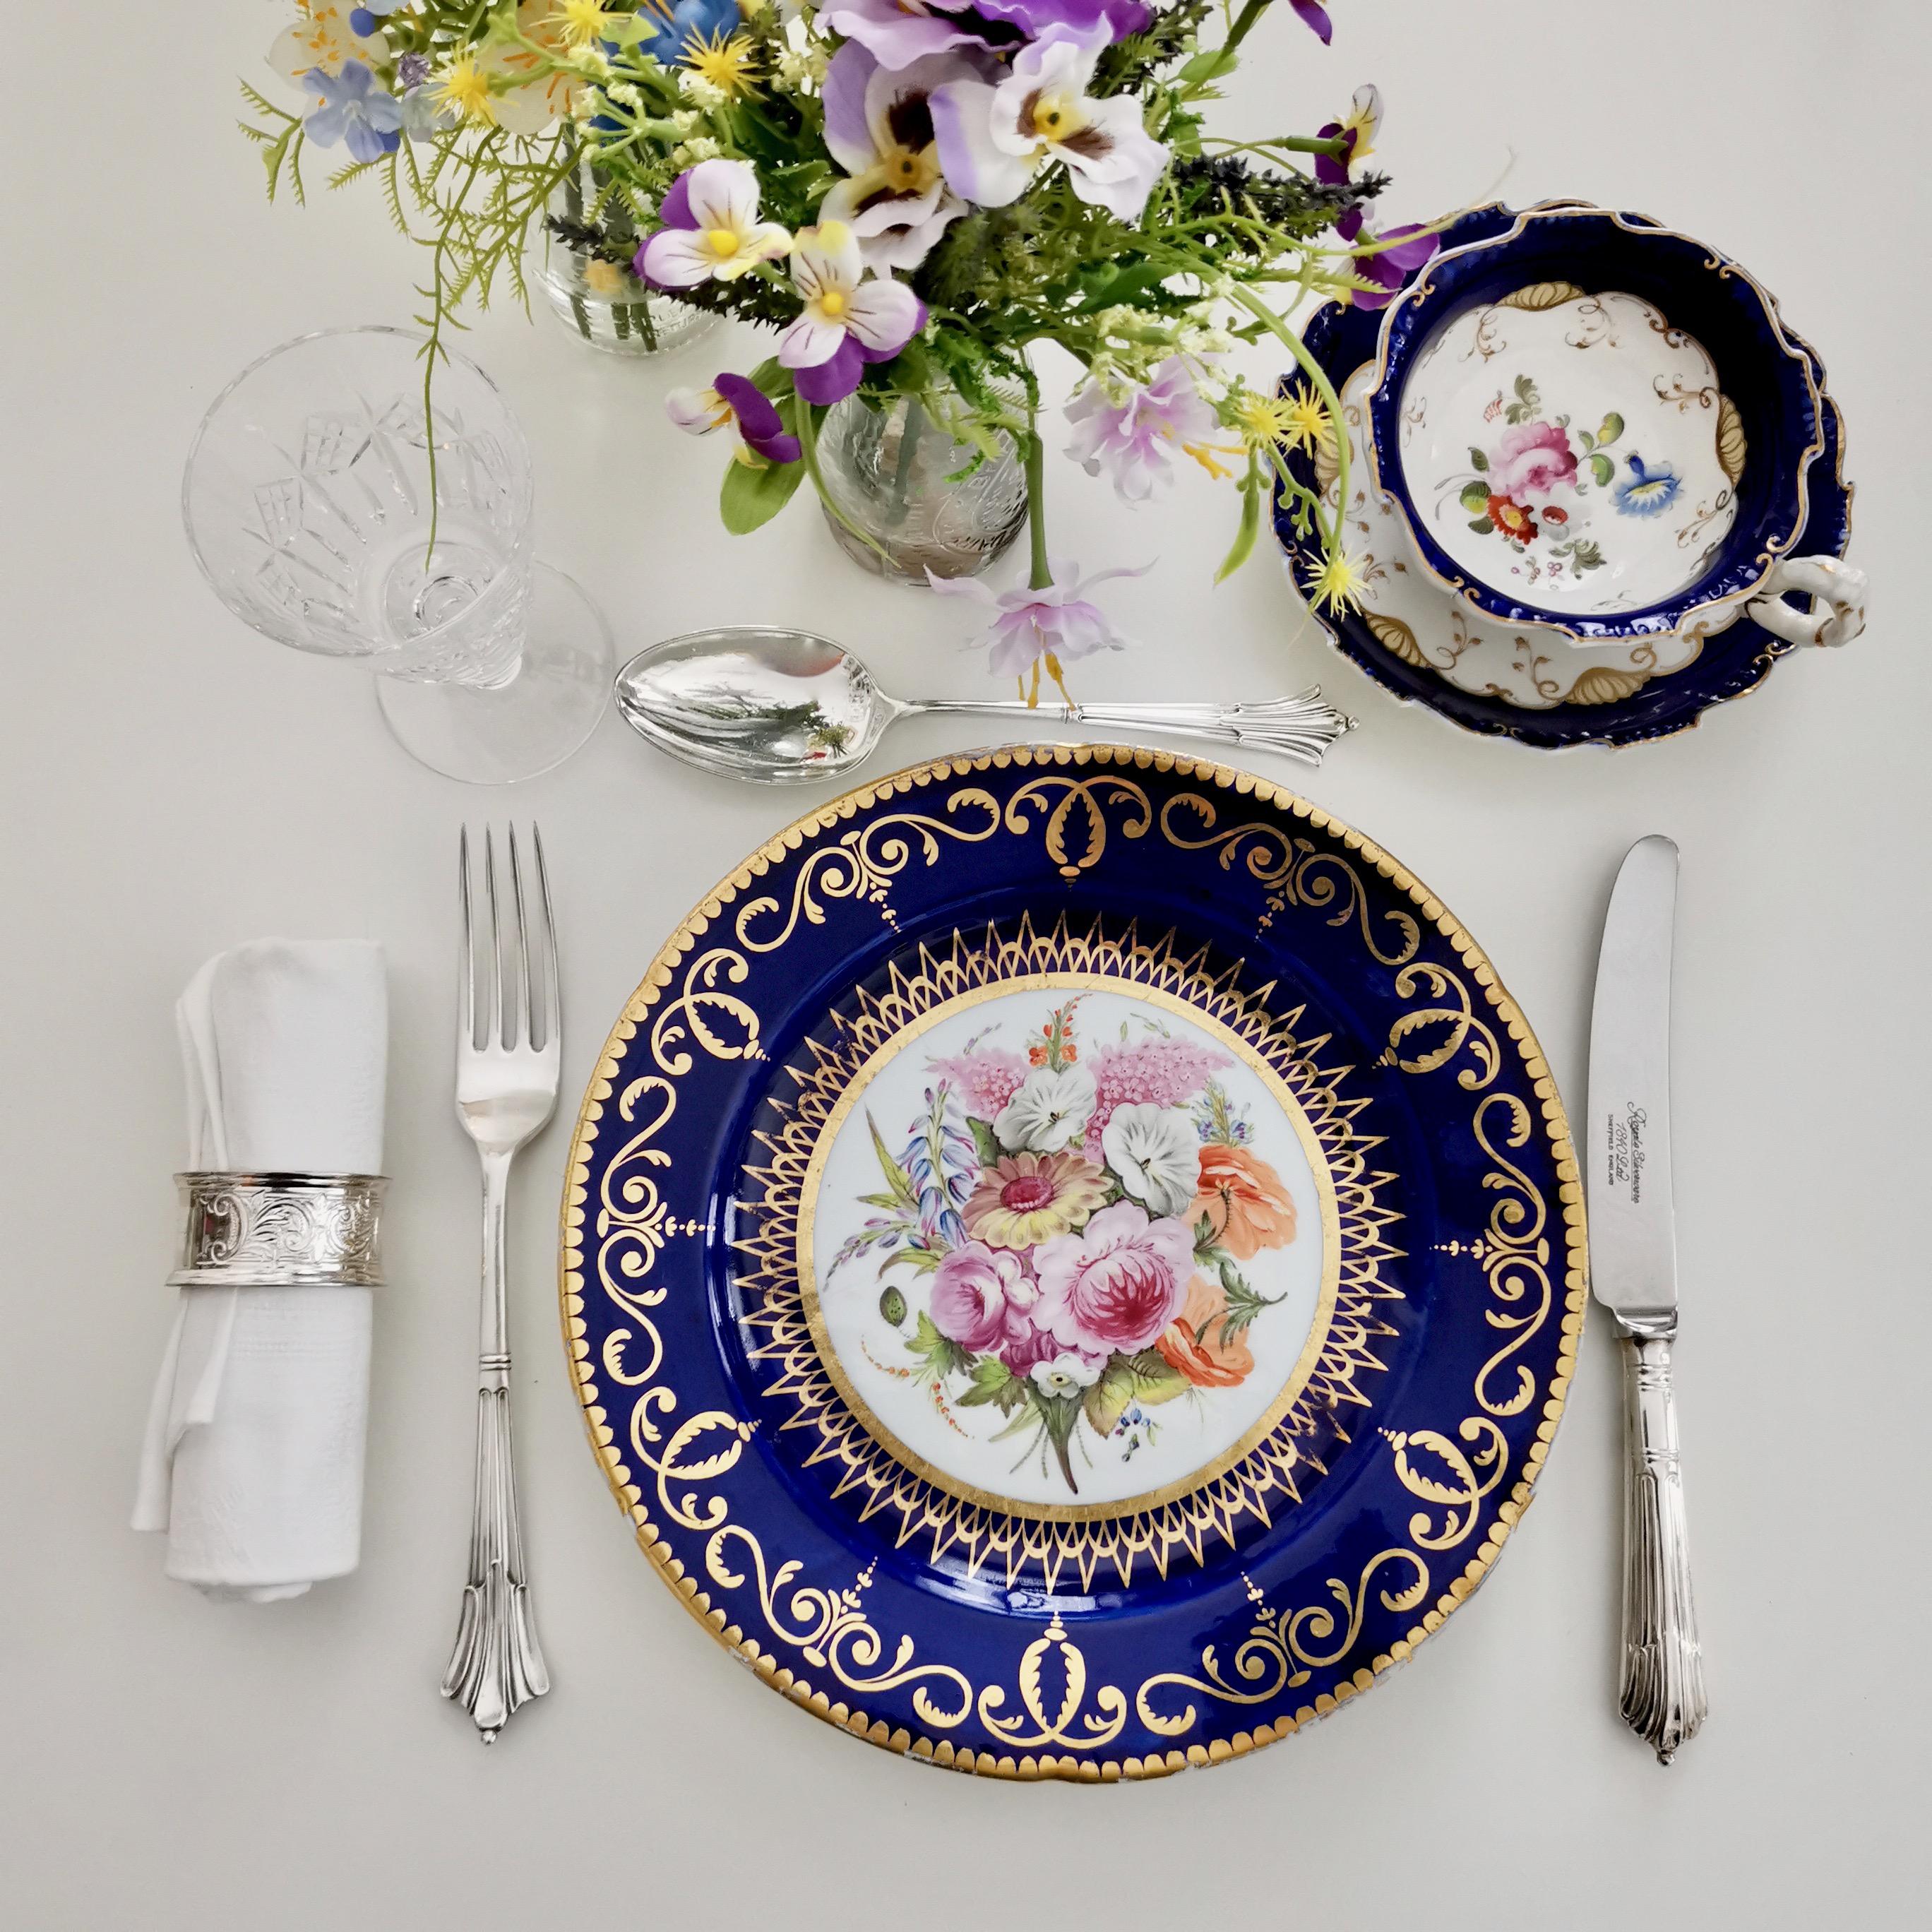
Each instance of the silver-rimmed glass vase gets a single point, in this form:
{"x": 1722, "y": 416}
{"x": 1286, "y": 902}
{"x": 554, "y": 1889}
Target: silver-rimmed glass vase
{"x": 334, "y": 511}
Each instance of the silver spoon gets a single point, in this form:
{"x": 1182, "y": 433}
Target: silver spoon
{"x": 784, "y": 707}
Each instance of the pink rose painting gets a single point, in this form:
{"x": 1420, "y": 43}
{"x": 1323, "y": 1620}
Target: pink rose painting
{"x": 1118, "y": 1284}
{"x": 1532, "y": 460}
{"x": 1054, "y": 1277}
{"x": 972, "y": 1289}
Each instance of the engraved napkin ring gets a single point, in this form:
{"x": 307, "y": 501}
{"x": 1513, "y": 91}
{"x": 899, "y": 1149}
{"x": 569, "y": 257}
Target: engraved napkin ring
{"x": 281, "y": 1230}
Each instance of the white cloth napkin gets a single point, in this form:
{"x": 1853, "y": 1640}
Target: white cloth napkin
{"x": 252, "y": 1459}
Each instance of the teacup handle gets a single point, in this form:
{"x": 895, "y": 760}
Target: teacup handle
{"x": 1829, "y": 582}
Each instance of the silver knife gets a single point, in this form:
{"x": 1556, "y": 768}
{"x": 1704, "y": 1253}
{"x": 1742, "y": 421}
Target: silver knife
{"x": 1633, "y": 1271}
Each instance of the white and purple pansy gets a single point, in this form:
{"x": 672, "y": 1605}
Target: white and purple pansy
{"x": 1359, "y": 127}
{"x": 737, "y": 402}
{"x": 711, "y": 230}
{"x": 878, "y": 127}
{"x": 848, "y": 319}
{"x": 994, "y": 139}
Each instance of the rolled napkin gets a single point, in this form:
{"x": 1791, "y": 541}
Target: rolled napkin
{"x": 252, "y": 1462}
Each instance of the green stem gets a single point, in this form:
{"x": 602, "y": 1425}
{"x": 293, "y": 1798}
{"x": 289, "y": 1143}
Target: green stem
{"x": 806, "y": 416}
{"x": 1243, "y": 21}
{"x": 1323, "y": 387}
{"x": 1041, "y": 573}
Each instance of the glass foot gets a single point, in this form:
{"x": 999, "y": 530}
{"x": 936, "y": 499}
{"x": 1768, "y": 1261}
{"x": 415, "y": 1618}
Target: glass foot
{"x": 525, "y": 727}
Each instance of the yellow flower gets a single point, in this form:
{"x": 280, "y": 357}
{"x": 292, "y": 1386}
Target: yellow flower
{"x": 601, "y": 278}
{"x": 464, "y": 87}
{"x": 1298, "y": 422}
{"x": 1338, "y": 583}
{"x": 726, "y": 65}
{"x": 1307, "y": 420}
{"x": 581, "y": 23}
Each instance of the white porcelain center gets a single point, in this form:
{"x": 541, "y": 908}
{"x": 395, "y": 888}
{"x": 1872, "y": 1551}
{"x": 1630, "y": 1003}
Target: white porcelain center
{"x": 1572, "y": 450}
{"x": 1068, "y": 1249}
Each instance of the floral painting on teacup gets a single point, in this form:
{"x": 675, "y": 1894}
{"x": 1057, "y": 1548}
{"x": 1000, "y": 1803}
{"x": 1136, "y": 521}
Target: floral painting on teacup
{"x": 1578, "y": 453}
{"x": 1068, "y": 1249}
{"x": 1410, "y": 613}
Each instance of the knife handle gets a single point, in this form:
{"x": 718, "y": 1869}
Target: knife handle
{"x": 1662, "y": 1694}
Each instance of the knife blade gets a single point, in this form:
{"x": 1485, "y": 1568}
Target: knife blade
{"x": 1632, "y": 1208}
{"x": 1633, "y": 1273}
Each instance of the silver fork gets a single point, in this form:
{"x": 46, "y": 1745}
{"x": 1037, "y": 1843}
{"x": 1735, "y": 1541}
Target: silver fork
{"x": 505, "y": 1092}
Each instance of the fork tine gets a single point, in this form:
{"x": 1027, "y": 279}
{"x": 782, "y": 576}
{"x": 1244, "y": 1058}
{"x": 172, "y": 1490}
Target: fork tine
{"x": 467, "y": 1004}
{"x": 522, "y": 950}
{"x": 552, "y": 993}
{"x": 492, "y": 1016}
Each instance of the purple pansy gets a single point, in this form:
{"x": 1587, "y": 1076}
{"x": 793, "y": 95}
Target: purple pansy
{"x": 1030, "y": 626}
{"x": 738, "y": 401}
{"x": 355, "y": 111}
{"x": 1395, "y": 259}
{"x": 1314, "y": 16}
{"x": 898, "y": 32}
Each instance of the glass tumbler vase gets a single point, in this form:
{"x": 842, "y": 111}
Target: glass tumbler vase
{"x": 333, "y": 512}
{"x": 585, "y": 274}
{"x": 895, "y": 473}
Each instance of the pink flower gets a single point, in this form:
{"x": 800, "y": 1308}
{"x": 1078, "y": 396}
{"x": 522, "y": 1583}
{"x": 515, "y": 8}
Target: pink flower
{"x": 1118, "y": 1283}
{"x": 984, "y": 1081}
{"x": 1026, "y": 1344}
{"x": 975, "y": 1291}
{"x": 1033, "y": 626}
{"x": 1531, "y": 461}
{"x": 1153, "y": 1072}
{"x": 1134, "y": 440}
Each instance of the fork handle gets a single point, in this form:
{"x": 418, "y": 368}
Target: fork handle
{"x": 496, "y": 1665}
{"x": 1661, "y": 1695}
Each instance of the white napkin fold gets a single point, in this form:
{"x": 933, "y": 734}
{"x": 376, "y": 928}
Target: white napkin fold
{"x": 252, "y": 1459}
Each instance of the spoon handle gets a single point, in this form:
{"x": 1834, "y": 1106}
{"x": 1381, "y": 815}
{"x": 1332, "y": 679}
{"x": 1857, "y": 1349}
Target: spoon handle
{"x": 1302, "y": 726}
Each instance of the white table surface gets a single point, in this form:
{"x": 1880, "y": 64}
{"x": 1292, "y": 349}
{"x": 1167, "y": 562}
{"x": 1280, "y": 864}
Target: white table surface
{"x": 174, "y": 784}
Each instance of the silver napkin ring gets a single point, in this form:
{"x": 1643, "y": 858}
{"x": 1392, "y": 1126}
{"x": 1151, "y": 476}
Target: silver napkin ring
{"x": 281, "y": 1230}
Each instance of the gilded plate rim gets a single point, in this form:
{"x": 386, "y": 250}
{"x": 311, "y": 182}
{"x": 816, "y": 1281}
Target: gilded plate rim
{"x": 1571, "y": 1298}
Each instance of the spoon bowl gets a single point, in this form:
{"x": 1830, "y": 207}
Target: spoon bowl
{"x": 787, "y": 707}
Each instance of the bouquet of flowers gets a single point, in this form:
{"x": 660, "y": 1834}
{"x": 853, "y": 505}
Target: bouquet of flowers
{"x": 1083, "y": 1231}
{"x": 910, "y": 194}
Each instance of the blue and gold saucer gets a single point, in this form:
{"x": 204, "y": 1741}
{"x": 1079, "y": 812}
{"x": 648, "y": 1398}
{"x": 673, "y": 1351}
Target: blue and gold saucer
{"x": 1072, "y": 1262}
{"x": 1488, "y": 670}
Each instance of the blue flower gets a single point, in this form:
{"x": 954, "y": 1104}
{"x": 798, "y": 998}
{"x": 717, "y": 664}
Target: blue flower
{"x": 354, "y": 110}
{"x": 1648, "y": 491}
{"x": 692, "y": 22}
{"x": 365, "y": 19}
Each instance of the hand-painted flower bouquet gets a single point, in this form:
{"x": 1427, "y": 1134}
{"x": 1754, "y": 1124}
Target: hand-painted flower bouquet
{"x": 1083, "y": 1230}
{"x": 910, "y": 193}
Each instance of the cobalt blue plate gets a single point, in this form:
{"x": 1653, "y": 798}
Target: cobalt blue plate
{"x": 1342, "y": 339}
{"x": 1072, "y": 1262}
